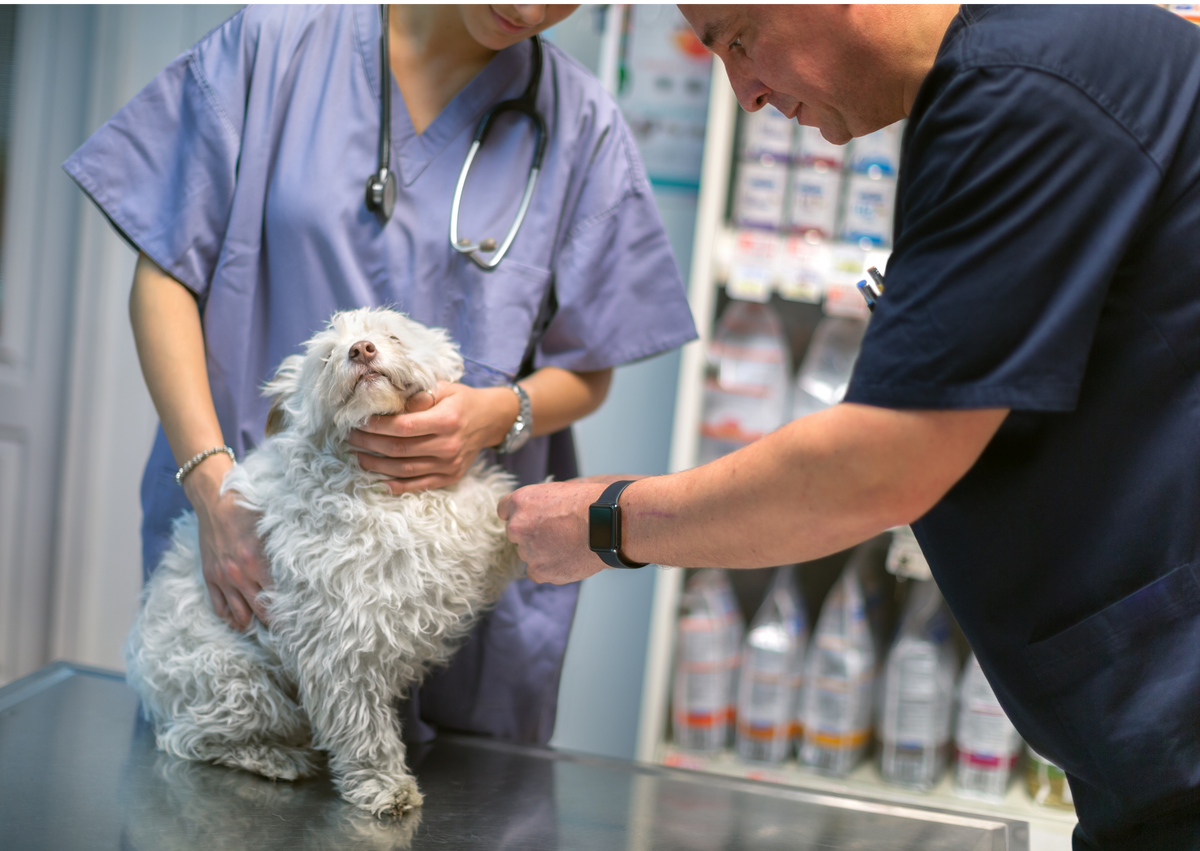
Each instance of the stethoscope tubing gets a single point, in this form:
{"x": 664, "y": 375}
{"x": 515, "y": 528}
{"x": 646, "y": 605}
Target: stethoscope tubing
{"x": 381, "y": 186}
{"x": 526, "y": 104}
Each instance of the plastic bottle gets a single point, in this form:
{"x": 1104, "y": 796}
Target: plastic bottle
{"x": 772, "y": 666}
{"x": 1047, "y": 783}
{"x": 839, "y": 680}
{"x": 918, "y": 692}
{"x": 747, "y": 396}
{"x": 767, "y": 131}
{"x": 759, "y": 193}
{"x": 986, "y": 740}
{"x": 825, "y": 372}
{"x": 870, "y": 202}
{"x": 815, "y": 193}
{"x": 707, "y": 656}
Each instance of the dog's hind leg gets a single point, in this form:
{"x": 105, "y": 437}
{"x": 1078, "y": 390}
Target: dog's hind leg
{"x": 212, "y": 693}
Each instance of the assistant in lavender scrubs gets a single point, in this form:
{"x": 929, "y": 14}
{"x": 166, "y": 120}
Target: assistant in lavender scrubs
{"x": 238, "y": 174}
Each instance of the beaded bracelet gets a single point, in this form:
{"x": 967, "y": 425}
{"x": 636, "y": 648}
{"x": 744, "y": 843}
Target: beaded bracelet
{"x": 192, "y": 464}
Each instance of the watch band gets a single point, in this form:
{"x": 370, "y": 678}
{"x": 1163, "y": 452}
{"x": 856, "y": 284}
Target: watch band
{"x": 522, "y": 427}
{"x": 604, "y": 526}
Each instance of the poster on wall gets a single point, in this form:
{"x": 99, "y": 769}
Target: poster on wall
{"x": 662, "y": 89}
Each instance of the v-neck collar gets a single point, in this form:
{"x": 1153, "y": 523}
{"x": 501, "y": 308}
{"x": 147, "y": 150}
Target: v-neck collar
{"x": 413, "y": 152}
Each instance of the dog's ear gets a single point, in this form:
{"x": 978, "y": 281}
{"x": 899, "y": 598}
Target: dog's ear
{"x": 281, "y": 388}
{"x": 275, "y": 418}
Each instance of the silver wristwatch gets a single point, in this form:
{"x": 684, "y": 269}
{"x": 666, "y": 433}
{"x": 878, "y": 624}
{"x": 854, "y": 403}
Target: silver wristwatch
{"x": 522, "y": 429}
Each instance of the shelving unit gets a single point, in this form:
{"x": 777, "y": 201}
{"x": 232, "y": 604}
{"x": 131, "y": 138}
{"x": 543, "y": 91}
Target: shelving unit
{"x": 1050, "y": 830}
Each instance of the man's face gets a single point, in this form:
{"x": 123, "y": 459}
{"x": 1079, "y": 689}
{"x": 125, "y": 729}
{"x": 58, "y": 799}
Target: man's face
{"x": 810, "y": 62}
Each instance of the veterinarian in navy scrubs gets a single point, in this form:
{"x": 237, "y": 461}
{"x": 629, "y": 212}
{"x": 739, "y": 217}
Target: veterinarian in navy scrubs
{"x": 1028, "y": 387}
{"x": 238, "y": 173}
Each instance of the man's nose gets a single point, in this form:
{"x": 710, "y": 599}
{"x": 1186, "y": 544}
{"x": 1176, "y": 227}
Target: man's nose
{"x": 751, "y": 92}
{"x": 363, "y": 352}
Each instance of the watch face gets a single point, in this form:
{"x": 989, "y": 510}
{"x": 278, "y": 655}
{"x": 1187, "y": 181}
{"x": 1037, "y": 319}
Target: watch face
{"x": 600, "y": 527}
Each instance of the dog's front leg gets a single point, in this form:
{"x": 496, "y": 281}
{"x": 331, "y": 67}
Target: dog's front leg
{"x": 354, "y": 721}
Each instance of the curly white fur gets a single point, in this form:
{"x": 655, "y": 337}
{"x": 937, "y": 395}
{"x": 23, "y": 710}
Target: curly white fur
{"x": 370, "y": 590}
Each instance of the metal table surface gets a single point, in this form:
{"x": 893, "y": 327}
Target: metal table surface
{"x": 78, "y": 769}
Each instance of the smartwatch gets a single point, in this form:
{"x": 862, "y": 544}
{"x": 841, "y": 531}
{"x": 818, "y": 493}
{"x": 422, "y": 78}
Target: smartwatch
{"x": 604, "y": 526}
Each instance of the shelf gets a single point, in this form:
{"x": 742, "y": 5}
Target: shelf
{"x": 1050, "y": 829}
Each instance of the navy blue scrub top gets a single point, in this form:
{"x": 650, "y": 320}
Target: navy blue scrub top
{"x": 1047, "y": 259}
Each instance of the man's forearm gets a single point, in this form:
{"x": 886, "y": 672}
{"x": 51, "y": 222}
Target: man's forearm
{"x": 817, "y": 486}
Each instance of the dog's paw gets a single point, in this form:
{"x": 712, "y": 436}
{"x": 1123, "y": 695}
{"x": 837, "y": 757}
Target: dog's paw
{"x": 381, "y": 793}
{"x": 276, "y": 761}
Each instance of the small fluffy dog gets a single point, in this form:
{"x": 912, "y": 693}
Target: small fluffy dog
{"x": 370, "y": 590}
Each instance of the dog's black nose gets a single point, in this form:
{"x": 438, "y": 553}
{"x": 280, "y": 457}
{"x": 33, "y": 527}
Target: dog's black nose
{"x": 363, "y": 352}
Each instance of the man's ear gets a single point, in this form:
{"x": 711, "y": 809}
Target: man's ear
{"x": 282, "y": 387}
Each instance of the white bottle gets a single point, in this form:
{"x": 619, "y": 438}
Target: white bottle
{"x": 767, "y": 131}
{"x": 880, "y": 150}
{"x": 816, "y": 193}
{"x": 839, "y": 680}
{"x": 824, "y": 374}
{"x": 758, "y": 200}
{"x": 772, "y": 666}
{"x": 986, "y": 740}
{"x": 870, "y": 204}
{"x": 706, "y": 658}
{"x": 746, "y": 397}
{"x": 918, "y": 692}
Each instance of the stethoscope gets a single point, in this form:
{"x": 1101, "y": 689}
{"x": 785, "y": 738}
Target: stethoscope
{"x": 381, "y": 186}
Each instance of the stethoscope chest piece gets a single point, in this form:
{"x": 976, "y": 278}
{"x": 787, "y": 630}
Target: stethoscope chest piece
{"x": 381, "y": 193}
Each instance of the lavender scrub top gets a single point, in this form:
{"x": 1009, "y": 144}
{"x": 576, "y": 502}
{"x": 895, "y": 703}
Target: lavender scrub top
{"x": 240, "y": 170}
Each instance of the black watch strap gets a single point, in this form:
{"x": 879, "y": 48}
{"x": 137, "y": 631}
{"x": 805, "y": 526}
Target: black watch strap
{"x": 604, "y": 526}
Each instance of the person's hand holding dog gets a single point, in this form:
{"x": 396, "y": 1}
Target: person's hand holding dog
{"x": 433, "y": 442}
{"x": 235, "y": 569}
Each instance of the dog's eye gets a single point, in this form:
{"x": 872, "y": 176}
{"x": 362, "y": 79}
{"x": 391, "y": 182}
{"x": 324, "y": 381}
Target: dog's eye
{"x": 393, "y": 338}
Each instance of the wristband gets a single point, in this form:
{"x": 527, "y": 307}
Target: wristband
{"x": 604, "y": 526}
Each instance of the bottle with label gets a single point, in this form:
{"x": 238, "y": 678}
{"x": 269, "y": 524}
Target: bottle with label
{"x": 987, "y": 742}
{"x": 879, "y": 150}
{"x": 811, "y": 147}
{"x": 759, "y": 193}
{"x": 870, "y": 202}
{"x": 815, "y": 194}
{"x": 706, "y": 659}
{"x": 772, "y": 666}
{"x": 1047, "y": 783}
{"x": 746, "y": 396}
{"x": 839, "y": 680}
{"x": 767, "y": 131}
{"x": 825, "y": 372}
{"x": 918, "y": 692}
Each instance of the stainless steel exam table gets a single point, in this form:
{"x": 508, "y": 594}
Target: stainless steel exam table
{"x": 79, "y": 770}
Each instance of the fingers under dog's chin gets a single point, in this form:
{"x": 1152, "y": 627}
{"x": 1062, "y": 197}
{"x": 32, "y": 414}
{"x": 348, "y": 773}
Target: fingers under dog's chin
{"x": 415, "y": 485}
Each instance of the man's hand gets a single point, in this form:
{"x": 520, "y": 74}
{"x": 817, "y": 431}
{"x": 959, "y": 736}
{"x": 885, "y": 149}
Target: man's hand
{"x": 549, "y": 525}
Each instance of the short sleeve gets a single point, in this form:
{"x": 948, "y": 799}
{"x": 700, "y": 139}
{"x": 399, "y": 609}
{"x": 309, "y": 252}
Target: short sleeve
{"x": 620, "y": 294}
{"x": 1019, "y": 196}
{"x": 163, "y": 169}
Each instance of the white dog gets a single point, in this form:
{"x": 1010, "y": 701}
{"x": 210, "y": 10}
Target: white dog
{"x": 370, "y": 590}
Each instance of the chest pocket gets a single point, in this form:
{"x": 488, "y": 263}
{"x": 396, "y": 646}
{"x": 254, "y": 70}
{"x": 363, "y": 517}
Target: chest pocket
{"x": 494, "y": 320}
{"x": 1126, "y": 682}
